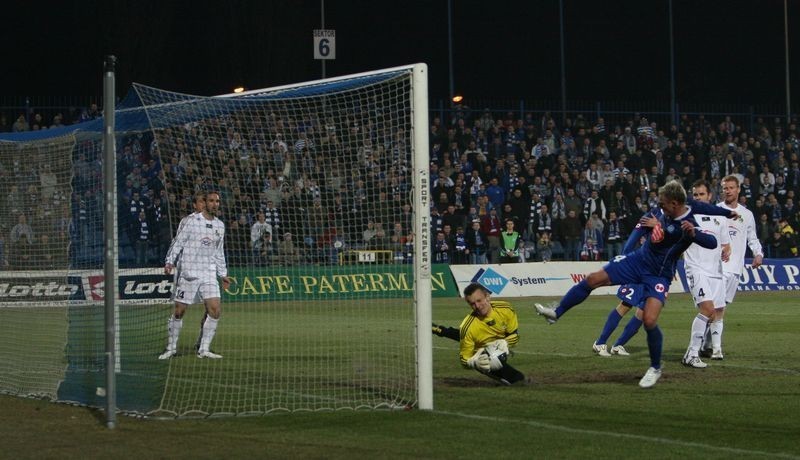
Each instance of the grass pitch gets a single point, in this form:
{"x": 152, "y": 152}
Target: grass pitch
{"x": 578, "y": 404}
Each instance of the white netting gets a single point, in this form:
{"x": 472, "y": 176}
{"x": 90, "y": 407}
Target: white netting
{"x": 315, "y": 191}
{"x": 35, "y": 237}
{"x": 315, "y": 187}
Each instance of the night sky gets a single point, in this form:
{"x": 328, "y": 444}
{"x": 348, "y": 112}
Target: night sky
{"x": 727, "y": 51}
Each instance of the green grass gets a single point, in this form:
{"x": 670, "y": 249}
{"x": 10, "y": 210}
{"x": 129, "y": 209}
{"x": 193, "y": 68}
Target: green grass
{"x": 578, "y": 406}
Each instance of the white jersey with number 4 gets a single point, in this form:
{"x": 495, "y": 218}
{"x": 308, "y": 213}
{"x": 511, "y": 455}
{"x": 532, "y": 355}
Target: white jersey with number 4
{"x": 198, "y": 249}
{"x": 700, "y": 261}
{"x": 742, "y": 231}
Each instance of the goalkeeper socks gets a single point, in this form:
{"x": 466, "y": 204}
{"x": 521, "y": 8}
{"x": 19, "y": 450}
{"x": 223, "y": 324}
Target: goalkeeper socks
{"x": 698, "y": 331}
{"x": 209, "y": 329}
{"x": 174, "y": 329}
{"x": 716, "y": 334}
{"x": 574, "y": 296}
{"x": 655, "y": 340}
{"x": 611, "y": 323}
{"x": 630, "y": 330}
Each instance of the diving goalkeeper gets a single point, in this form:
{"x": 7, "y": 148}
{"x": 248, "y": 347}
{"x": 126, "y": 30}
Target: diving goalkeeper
{"x": 486, "y": 335}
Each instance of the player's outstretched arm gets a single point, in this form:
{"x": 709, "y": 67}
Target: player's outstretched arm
{"x": 446, "y": 332}
{"x": 703, "y": 239}
{"x": 711, "y": 210}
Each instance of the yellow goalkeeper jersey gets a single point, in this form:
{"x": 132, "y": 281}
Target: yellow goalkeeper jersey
{"x": 476, "y": 332}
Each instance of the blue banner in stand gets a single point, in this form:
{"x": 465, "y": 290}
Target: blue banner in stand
{"x": 772, "y": 275}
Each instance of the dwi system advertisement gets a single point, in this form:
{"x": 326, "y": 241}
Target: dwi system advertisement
{"x": 556, "y": 278}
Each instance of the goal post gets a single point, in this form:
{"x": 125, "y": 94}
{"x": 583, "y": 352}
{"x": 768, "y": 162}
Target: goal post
{"x": 324, "y": 225}
{"x": 422, "y": 273}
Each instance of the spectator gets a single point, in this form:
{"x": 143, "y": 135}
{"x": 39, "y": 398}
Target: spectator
{"x": 779, "y": 246}
{"x": 570, "y": 230}
{"x": 615, "y": 235}
{"x": 20, "y": 125}
{"x": 544, "y": 247}
{"x": 510, "y": 241}
{"x": 788, "y": 235}
{"x": 288, "y": 252}
{"x": 3, "y": 255}
{"x": 141, "y": 242}
{"x": 460, "y": 247}
{"x": 594, "y": 205}
{"x": 257, "y": 231}
{"x": 491, "y": 227}
{"x": 477, "y": 243}
{"x": 441, "y": 249}
{"x": 22, "y": 230}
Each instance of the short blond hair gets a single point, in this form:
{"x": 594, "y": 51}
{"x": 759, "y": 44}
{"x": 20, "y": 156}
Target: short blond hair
{"x": 673, "y": 191}
{"x": 731, "y": 178}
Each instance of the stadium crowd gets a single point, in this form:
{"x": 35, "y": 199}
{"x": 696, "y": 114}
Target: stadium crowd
{"x": 504, "y": 188}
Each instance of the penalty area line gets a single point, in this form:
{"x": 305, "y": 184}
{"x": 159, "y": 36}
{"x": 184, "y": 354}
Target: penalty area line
{"x": 674, "y": 442}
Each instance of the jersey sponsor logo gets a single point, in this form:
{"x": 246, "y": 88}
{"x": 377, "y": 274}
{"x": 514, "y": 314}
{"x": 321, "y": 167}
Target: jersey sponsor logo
{"x": 660, "y": 287}
{"x": 209, "y": 226}
{"x": 491, "y": 280}
{"x": 206, "y": 241}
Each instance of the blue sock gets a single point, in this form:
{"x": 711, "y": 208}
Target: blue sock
{"x": 630, "y": 330}
{"x": 574, "y": 296}
{"x": 611, "y": 323}
{"x": 655, "y": 340}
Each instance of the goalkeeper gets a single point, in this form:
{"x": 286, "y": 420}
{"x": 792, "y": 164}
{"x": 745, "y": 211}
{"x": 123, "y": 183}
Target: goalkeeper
{"x": 486, "y": 335}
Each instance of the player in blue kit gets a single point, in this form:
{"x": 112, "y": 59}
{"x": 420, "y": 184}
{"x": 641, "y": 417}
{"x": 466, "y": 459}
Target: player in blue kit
{"x": 630, "y": 296}
{"x": 652, "y": 265}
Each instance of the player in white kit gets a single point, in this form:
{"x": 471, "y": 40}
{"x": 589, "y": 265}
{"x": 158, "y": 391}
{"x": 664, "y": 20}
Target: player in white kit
{"x": 742, "y": 231}
{"x": 704, "y": 274}
{"x": 198, "y": 253}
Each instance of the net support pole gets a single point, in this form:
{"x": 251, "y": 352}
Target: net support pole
{"x": 422, "y": 231}
{"x": 110, "y": 237}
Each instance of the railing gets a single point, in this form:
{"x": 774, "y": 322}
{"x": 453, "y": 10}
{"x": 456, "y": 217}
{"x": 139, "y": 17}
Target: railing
{"x": 613, "y": 111}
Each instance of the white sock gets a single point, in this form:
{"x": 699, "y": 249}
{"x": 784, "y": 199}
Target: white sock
{"x": 706, "y": 344}
{"x": 209, "y": 329}
{"x": 174, "y": 329}
{"x": 716, "y": 335}
{"x": 200, "y": 335}
{"x": 698, "y": 330}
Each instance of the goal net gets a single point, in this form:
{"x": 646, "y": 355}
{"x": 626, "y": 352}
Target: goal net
{"x": 322, "y": 193}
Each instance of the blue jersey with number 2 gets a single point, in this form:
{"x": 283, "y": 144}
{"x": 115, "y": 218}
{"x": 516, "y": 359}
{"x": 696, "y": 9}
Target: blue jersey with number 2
{"x": 653, "y": 264}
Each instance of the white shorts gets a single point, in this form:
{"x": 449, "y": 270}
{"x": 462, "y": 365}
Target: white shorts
{"x": 195, "y": 291}
{"x": 704, "y": 288}
{"x": 731, "y": 285}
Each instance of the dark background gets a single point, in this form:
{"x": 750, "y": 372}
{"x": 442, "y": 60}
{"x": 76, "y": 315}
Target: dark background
{"x": 725, "y": 51}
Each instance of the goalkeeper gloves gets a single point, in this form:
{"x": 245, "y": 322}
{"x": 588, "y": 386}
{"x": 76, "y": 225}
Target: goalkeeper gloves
{"x": 480, "y": 361}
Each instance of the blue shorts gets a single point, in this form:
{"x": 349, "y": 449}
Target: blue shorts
{"x": 631, "y": 294}
{"x": 631, "y": 269}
